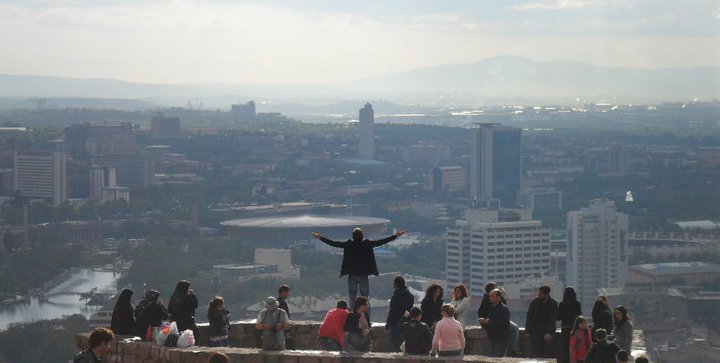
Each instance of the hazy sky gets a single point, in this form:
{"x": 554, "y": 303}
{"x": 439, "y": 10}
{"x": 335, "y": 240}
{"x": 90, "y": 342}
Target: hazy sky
{"x": 294, "y": 41}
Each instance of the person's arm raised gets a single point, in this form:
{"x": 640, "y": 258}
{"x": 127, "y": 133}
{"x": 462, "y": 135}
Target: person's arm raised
{"x": 383, "y": 241}
{"x": 328, "y": 241}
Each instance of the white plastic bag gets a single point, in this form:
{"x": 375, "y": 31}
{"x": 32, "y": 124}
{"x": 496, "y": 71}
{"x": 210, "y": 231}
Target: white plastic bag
{"x": 163, "y": 333}
{"x": 187, "y": 339}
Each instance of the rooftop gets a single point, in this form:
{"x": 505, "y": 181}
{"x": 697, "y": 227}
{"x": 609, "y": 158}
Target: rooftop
{"x": 674, "y": 268}
{"x": 304, "y": 221}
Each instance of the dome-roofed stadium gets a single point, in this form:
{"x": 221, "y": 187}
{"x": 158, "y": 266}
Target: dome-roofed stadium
{"x": 290, "y": 229}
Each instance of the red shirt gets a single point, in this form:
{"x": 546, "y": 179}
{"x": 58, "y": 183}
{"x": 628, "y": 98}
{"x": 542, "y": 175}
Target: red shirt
{"x": 332, "y": 326}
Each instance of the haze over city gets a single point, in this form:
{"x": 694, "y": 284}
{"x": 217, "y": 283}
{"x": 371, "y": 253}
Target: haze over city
{"x": 307, "y": 42}
{"x": 527, "y": 180}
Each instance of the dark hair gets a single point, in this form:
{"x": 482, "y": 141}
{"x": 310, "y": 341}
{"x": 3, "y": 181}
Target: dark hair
{"x": 490, "y": 287}
{"x": 415, "y": 311}
{"x": 216, "y": 302}
{"x": 642, "y": 360}
{"x": 624, "y": 311}
{"x": 430, "y": 291}
{"x": 545, "y": 289}
{"x": 601, "y": 334}
{"x": 399, "y": 281}
{"x": 622, "y": 356}
{"x": 218, "y": 358}
{"x": 342, "y": 304}
{"x": 463, "y": 290}
{"x": 576, "y": 324}
{"x": 100, "y": 336}
{"x": 448, "y": 309}
{"x": 359, "y": 301}
{"x": 569, "y": 295}
{"x": 357, "y": 234}
{"x": 283, "y": 288}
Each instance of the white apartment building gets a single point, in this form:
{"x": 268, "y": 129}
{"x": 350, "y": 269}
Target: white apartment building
{"x": 597, "y": 249}
{"x": 41, "y": 174}
{"x": 505, "y": 246}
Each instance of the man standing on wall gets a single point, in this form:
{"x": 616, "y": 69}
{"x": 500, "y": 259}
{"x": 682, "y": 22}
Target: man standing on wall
{"x": 358, "y": 259}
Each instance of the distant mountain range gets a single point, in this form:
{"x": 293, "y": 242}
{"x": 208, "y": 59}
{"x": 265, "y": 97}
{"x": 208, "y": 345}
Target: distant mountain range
{"x": 496, "y": 80}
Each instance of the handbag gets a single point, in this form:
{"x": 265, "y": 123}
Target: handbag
{"x": 172, "y": 340}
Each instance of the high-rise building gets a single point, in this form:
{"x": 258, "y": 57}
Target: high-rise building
{"x": 450, "y": 177}
{"x": 618, "y": 160}
{"x": 162, "y": 126}
{"x": 597, "y": 249}
{"x": 495, "y": 164}
{"x": 133, "y": 170}
{"x": 101, "y": 177}
{"x": 504, "y": 246}
{"x": 244, "y": 112}
{"x": 366, "y": 146}
{"x": 97, "y": 139}
{"x": 41, "y": 174}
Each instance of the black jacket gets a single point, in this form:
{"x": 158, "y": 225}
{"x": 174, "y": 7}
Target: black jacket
{"x": 401, "y": 301}
{"x": 358, "y": 256}
{"x": 153, "y": 315}
{"x": 484, "y": 308}
{"x": 567, "y": 312}
{"x": 218, "y": 326}
{"x": 282, "y": 304}
{"x": 352, "y": 322}
{"x": 542, "y": 316}
{"x": 602, "y": 317}
{"x": 123, "y": 316}
{"x": 431, "y": 310}
{"x": 602, "y": 352}
{"x": 498, "y": 328}
{"x": 485, "y": 305}
{"x": 86, "y": 356}
{"x": 418, "y": 337}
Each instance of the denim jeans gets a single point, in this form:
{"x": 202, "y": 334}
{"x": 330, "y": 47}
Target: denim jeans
{"x": 330, "y": 344}
{"x": 355, "y": 281}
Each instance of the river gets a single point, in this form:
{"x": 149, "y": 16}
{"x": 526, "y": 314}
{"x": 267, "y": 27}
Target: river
{"x": 60, "y": 305}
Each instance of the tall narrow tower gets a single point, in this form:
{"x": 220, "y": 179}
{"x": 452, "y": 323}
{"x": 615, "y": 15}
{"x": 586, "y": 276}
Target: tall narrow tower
{"x": 495, "y": 163}
{"x": 366, "y": 146}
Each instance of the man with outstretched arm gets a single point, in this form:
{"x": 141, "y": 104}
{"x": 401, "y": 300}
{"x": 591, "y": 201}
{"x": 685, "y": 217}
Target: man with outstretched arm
{"x": 358, "y": 259}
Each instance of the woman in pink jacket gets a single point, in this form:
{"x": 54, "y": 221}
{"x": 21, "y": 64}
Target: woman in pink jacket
{"x": 449, "y": 338}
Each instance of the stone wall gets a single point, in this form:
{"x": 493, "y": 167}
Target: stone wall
{"x": 305, "y": 335}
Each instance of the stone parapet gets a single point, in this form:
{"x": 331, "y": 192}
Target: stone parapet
{"x": 304, "y": 333}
